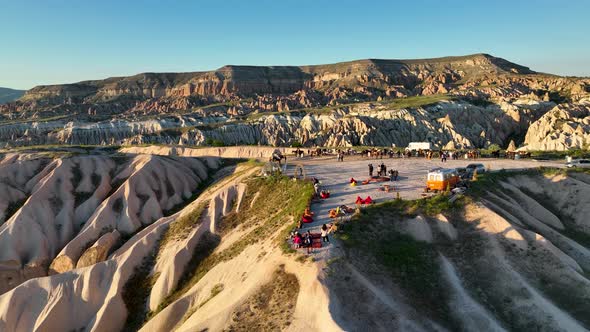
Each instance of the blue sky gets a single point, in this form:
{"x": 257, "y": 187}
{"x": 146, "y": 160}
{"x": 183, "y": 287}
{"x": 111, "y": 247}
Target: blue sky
{"x": 58, "y": 41}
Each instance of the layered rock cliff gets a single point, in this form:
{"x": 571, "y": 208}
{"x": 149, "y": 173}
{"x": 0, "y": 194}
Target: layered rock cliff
{"x": 460, "y": 122}
{"x": 372, "y": 102}
{"x": 562, "y": 128}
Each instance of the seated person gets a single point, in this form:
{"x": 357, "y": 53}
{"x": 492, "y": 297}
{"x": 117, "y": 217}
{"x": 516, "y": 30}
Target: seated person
{"x": 333, "y": 213}
{"x": 346, "y": 209}
{"x": 308, "y": 212}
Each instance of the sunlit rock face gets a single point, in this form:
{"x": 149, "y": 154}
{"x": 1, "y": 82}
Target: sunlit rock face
{"x": 471, "y": 101}
{"x": 59, "y": 213}
{"x": 563, "y": 128}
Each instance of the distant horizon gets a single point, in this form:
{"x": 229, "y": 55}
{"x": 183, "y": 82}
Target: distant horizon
{"x": 60, "y": 42}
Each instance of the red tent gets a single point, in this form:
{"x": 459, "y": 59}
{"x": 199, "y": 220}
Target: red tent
{"x": 359, "y": 200}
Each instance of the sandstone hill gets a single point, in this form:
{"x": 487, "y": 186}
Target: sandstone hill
{"x": 364, "y": 102}
{"x": 105, "y": 240}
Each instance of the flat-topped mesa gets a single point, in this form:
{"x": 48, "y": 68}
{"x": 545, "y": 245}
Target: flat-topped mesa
{"x": 259, "y": 80}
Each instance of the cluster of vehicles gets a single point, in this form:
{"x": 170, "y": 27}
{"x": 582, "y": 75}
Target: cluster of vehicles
{"x": 581, "y": 163}
{"x": 440, "y": 179}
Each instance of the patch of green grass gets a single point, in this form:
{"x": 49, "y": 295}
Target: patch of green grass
{"x": 195, "y": 269}
{"x": 489, "y": 181}
{"x": 136, "y": 291}
{"x": 557, "y": 155}
{"x": 181, "y": 227}
{"x": 62, "y": 147}
{"x": 393, "y": 103}
{"x": 280, "y": 199}
{"x": 413, "y": 265}
{"x": 414, "y": 101}
{"x": 46, "y": 119}
{"x": 430, "y": 206}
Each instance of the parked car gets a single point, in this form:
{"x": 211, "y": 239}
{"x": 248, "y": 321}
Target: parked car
{"x": 479, "y": 167}
{"x": 582, "y": 163}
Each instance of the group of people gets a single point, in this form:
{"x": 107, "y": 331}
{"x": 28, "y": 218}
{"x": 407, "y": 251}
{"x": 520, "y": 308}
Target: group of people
{"x": 340, "y": 211}
{"x": 380, "y": 153}
{"x": 453, "y": 155}
{"x": 306, "y": 240}
{"x": 382, "y": 172}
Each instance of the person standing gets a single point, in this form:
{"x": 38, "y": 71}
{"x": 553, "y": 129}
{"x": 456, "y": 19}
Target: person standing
{"x": 297, "y": 240}
{"x": 325, "y": 233}
{"x": 307, "y": 242}
{"x": 371, "y": 170}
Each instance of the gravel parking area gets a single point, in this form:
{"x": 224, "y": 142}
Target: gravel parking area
{"x": 335, "y": 176}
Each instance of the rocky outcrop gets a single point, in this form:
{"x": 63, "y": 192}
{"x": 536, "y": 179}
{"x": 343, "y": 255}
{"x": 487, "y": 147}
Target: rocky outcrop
{"x": 338, "y": 104}
{"x": 100, "y": 250}
{"x": 503, "y": 256}
{"x": 460, "y": 122}
{"x": 75, "y": 207}
{"x": 563, "y": 128}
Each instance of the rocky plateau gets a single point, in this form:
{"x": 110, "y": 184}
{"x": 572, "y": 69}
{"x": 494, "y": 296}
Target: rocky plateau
{"x": 465, "y": 101}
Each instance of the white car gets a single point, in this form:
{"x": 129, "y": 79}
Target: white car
{"x": 582, "y": 163}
